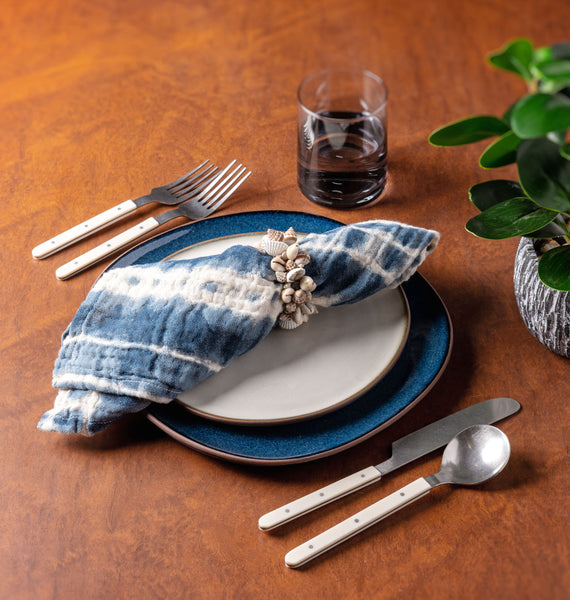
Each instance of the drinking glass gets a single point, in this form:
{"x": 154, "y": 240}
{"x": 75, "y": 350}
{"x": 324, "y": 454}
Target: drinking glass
{"x": 341, "y": 143}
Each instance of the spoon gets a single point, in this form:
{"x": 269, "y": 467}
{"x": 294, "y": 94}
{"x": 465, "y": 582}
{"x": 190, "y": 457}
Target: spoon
{"x": 473, "y": 456}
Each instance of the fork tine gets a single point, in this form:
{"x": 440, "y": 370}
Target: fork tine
{"x": 208, "y": 188}
{"x": 219, "y": 203}
{"x": 194, "y": 182}
{"x": 215, "y": 182}
{"x": 224, "y": 185}
{"x": 181, "y": 179}
{"x": 194, "y": 191}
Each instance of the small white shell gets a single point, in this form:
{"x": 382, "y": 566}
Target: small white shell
{"x": 287, "y": 322}
{"x": 290, "y": 236}
{"x": 292, "y": 251}
{"x": 295, "y": 274}
{"x": 299, "y": 297}
{"x": 287, "y": 262}
{"x": 273, "y": 234}
{"x": 302, "y": 259}
{"x": 308, "y": 308}
{"x": 306, "y": 283}
{"x": 273, "y": 247}
{"x": 277, "y": 264}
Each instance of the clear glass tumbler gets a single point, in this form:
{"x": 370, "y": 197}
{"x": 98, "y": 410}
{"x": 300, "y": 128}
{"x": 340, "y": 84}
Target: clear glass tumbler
{"x": 342, "y": 137}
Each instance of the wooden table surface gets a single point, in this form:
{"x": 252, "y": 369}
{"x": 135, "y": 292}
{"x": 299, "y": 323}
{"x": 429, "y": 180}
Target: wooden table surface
{"x": 99, "y": 102}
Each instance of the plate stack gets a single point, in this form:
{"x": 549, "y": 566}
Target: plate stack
{"x": 348, "y": 373}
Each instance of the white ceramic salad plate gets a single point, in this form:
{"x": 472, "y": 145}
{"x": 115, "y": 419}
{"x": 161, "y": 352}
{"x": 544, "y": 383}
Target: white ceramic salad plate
{"x": 363, "y": 369}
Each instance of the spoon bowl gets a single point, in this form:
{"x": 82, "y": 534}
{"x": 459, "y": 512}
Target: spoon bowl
{"x": 473, "y": 456}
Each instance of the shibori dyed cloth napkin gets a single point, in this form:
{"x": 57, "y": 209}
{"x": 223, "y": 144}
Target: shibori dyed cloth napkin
{"x": 146, "y": 333}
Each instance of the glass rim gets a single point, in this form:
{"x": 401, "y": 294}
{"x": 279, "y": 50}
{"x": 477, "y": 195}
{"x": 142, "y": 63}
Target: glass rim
{"x": 354, "y": 71}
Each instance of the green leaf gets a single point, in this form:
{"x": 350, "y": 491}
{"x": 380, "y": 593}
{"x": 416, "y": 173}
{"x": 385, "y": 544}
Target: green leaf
{"x": 544, "y": 174}
{"x": 551, "y": 67}
{"x": 501, "y": 152}
{"x": 510, "y": 218}
{"x": 487, "y": 194}
{"x": 556, "y": 228}
{"x": 554, "y": 85}
{"x": 542, "y": 54}
{"x": 565, "y": 151}
{"x": 554, "y": 268}
{"x": 516, "y": 56}
{"x": 538, "y": 114}
{"x": 550, "y": 231}
{"x": 554, "y": 68}
{"x": 553, "y": 75}
{"x": 468, "y": 130}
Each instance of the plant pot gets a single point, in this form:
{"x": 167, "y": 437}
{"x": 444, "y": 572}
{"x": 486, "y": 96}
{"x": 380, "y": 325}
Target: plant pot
{"x": 545, "y": 312}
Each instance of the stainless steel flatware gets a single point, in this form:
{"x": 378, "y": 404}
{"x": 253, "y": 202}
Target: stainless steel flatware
{"x": 405, "y": 450}
{"x": 205, "y": 203}
{"x": 473, "y": 456}
{"x": 181, "y": 189}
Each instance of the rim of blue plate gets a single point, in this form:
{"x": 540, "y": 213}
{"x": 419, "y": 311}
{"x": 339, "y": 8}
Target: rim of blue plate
{"x": 419, "y": 366}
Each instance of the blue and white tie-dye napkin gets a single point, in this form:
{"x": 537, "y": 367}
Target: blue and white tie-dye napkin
{"x": 147, "y": 333}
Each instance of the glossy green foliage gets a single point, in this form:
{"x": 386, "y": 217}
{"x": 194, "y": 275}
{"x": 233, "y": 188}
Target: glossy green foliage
{"x": 510, "y": 218}
{"x": 554, "y": 268}
{"x": 468, "y": 130}
{"x": 533, "y": 133}
{"x": 544, "y": 174}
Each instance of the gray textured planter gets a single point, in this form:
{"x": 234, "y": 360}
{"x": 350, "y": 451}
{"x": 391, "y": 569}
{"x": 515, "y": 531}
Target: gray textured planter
{"x": 545, "y": 312}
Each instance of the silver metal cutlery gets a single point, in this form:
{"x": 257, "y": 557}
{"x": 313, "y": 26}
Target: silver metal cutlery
{"x": 405, "y": 450}
{"x": 180, "y": 190}
{"x": 199, "y": 206}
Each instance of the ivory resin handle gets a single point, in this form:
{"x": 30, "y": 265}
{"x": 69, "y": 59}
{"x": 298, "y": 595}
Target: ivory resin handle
{"x": 65, "y": 239}
{"x": 314, "y": 500}
{"x": 359, "y": 522}
{"x": 105, "y": 249}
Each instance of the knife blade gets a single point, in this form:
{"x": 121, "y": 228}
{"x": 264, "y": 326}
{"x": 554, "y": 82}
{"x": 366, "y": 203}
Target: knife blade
{"x": 405, "y": 450}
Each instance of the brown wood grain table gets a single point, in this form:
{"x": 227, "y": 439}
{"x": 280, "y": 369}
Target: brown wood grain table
{"x": 102, "y": 100}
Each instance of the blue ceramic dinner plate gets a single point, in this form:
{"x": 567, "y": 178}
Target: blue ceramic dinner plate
{"x": 418, "y": 367}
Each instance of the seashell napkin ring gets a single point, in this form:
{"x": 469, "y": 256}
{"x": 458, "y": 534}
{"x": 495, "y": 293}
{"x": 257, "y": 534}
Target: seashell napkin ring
{"x": 288, "y": 262}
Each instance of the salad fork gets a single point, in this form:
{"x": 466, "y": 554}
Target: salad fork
{"x": 172, "y": 193}
{"x": 204, "y": 204}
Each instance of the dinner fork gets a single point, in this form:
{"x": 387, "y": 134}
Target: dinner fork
{"x": 172, "y": 193}
{"x": 209, "y": 200}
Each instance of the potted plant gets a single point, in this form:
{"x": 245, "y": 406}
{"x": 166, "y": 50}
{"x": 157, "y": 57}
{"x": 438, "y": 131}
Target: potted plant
{"x": 533, "y": 134}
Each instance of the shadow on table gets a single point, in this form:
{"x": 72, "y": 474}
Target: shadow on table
{"x": 131, "y": 430}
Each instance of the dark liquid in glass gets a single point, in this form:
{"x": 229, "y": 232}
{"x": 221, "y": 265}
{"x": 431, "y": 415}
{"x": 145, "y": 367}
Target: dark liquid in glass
{"x": 342, "y": 164}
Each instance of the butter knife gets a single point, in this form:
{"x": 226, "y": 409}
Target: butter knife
{"x": 405, "y": 450}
